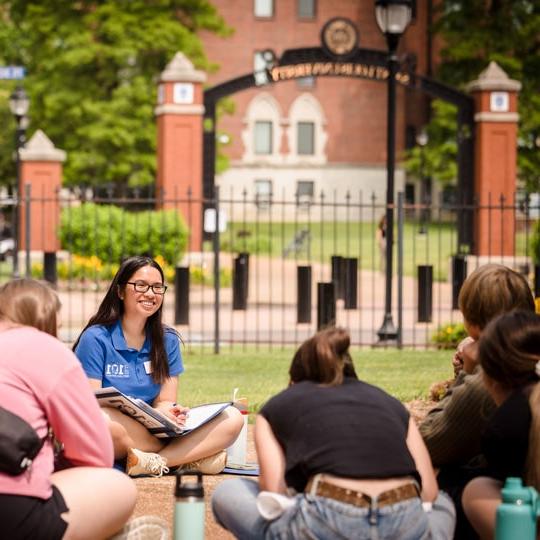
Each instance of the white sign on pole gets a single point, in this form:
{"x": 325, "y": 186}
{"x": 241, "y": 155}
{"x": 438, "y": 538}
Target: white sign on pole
{"x": 210, "y": 220}
{"x": 12, "y": 72}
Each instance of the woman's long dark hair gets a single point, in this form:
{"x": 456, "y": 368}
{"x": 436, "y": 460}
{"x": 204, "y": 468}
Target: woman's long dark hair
{"x": 111, "y": 310}
{"x": 509, "y": 353}
{"x": 323, "y": 358}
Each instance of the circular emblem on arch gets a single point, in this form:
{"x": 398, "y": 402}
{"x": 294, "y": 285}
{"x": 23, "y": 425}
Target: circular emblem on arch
{"x": 339, "y": 37}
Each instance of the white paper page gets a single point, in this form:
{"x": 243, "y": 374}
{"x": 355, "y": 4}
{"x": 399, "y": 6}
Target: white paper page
{"x": 198, "y": 415}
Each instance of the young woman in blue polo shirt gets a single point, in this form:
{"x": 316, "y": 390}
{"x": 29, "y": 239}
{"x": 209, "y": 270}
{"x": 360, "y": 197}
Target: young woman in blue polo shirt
{"x": 126, "y": 345}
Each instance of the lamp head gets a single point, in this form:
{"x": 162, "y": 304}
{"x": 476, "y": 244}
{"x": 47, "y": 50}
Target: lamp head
{"x": 422, "y": 138}
{"x": 19, "y": 102}
{"x": 393, "y": 16}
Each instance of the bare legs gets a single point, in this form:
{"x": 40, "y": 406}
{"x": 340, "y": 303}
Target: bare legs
{"x": 481, "y": 498}
{"x": 216, "y": 435}
{"x": 100, "y": 501}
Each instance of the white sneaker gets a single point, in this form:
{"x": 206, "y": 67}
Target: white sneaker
{"x": 144, "y": 528}
{"x": 148, "y": 463}
{"x": 209, "y": 465}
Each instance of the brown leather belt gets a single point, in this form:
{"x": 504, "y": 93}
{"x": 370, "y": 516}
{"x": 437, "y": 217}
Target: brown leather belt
{"x": 322, "y": 488}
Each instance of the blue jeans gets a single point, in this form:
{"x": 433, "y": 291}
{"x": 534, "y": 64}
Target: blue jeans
{"x": 313, "y": 517}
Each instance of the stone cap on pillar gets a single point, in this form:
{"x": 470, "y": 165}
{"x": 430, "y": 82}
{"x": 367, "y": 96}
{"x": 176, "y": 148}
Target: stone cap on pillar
{"x": 41, "y": 148}
{"x": 180, "y": 88}
{"x": 495, "y": 95}
{"x": 180, "y": 68}
{"x": 494, "y": 78}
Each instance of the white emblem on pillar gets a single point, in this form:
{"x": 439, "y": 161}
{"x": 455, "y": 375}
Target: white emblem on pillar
{"x": 183, "y": 93}
{"x": 499, "y": 102}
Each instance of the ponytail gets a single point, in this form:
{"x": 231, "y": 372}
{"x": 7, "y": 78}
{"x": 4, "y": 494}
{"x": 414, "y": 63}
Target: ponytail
{"x": 324, "y": 358}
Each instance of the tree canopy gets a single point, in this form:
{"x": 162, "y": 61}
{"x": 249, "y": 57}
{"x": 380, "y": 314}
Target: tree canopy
{"x": 92, "y": 70}
{"x": 474, "y": 32}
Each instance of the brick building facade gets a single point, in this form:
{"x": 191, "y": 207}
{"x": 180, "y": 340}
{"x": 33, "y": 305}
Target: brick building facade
{"x": 307, "y": 135}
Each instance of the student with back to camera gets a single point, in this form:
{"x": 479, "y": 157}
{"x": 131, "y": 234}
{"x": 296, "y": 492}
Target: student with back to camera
{"x": 125, "y": 345}
{"x": 350, "y": 451}
{"x": 452, "y": 429}
{"x": 42, "y": 382}
{"x": 509, "y": 353}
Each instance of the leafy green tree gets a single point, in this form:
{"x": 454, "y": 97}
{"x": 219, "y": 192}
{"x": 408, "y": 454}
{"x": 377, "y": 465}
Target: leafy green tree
{"x": 474, "y": 32}
{"x": 92, "y": 76}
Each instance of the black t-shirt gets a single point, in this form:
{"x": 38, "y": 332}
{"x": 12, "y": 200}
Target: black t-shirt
{"x": 505, "y": 441}
{"x": 353, "y": 430}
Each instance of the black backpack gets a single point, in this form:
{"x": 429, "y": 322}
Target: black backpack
{"x": 19, "y": 443}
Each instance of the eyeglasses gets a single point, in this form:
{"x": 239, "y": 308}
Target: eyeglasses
{"x": 142, "y": 287}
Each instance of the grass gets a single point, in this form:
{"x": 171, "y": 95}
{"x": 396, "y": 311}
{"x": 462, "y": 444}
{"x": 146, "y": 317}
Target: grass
{"x": 259, "y": 375}
{"x": 350, "y": 239}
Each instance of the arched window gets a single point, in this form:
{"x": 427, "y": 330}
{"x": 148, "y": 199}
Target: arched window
{"x": 262, "y": 133}
{"x": 306, "y": 132}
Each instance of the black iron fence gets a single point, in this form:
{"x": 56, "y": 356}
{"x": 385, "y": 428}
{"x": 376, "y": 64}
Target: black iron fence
{"x": 269, "y": 270}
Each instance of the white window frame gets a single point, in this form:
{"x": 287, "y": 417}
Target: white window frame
{"x": 305, "y": 200}
{"x": 263, "y": 197}
{"x": 263, "y": 9}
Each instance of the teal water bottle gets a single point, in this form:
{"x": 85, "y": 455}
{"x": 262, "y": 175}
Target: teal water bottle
{"x": 516, "y": 515}
{"x": 189, "y": 507}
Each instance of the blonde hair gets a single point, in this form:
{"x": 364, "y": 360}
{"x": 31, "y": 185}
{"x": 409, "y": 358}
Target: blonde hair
{"x": 491, "y": 290}
{"x": 30, "y": 303}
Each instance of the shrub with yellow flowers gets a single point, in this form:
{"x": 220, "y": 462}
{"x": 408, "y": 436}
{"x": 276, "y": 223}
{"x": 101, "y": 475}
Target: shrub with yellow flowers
{"x": 447, "y": 336}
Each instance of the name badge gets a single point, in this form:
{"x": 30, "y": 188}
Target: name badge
{"x": 148, "y": 367}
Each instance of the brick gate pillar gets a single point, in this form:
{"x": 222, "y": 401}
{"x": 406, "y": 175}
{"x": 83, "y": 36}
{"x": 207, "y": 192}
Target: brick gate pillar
{"x": 41, "y": 167}
{"x": 179, "y": 143}
{"x": 496, "y": 117}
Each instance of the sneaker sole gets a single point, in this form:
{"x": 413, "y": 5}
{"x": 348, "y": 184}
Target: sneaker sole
{"x": 144, "y": 528}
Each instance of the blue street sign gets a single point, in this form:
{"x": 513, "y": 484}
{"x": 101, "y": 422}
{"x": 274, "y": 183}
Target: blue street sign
{"x": 12, "y": 72}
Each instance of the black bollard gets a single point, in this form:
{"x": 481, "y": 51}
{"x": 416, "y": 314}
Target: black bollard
{"x": 351, "y": 283}
{"x": 459, "y": 273}
{"x": 338, "y": 275}
{"x": 49, "y": 267}
{"x": 240, "y": 281}
{"x": 181, "y": 295}
{"x": 303, "y": 294}
{"x": 326, "y": 305}
{"x": 425, "y": 293}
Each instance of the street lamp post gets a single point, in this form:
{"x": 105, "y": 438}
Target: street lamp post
{"x": 18, "y": 104}
{"x": 392, "y": 16}
{"x": 421, "y": 140}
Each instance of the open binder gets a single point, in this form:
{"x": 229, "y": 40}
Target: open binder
{"x": 155, "y": 422}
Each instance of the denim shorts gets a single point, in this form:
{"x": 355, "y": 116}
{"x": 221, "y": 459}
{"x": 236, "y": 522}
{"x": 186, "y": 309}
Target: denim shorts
{"x": 30, "y": 518}
{"x": 323, "y": 518}
{"x": 234, "y": 503}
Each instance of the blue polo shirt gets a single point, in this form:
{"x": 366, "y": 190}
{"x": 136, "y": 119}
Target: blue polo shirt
{"x": 105, "y": 355}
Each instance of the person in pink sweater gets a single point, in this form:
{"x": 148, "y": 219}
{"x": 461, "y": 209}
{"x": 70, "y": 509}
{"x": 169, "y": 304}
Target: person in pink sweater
{"x": 42, "y": 381}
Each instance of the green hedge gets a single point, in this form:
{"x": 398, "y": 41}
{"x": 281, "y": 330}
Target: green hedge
{"x": 111, "y": 233}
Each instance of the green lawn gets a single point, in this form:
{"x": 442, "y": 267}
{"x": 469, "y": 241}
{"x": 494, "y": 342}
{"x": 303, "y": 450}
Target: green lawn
{"x": 405, "y": 374}
{"x": 353, "y": 239}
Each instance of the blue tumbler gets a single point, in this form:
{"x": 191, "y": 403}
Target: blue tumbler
{"x": 517, "y": 514}
{"x": 189, "y": 507}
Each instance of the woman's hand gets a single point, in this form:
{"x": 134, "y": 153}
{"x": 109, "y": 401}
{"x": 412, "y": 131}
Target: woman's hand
{"x": 173, "y": 411}
{"x": 458, "y": 360}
